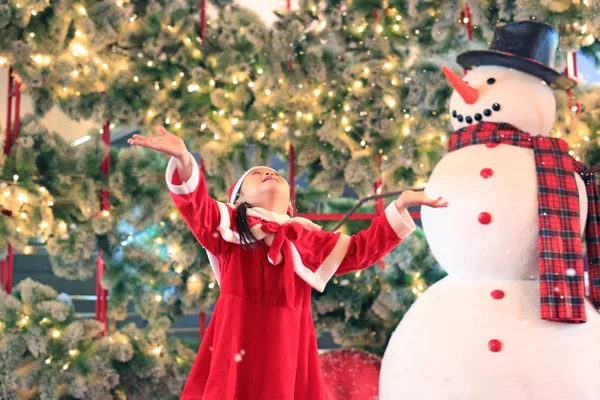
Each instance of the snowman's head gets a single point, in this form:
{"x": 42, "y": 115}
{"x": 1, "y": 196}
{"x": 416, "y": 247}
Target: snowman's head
{"x": 500, "y": 94}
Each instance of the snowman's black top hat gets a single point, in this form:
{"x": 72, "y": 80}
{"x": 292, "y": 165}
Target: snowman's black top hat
{"x": 525, "y": 46}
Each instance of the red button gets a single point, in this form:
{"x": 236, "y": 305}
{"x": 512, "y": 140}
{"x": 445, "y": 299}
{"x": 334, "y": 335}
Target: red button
{"x": 486, "y": 173}
{"x": 495, "y": 345}
{"x": 484, "y": 218}
{"x": 491, "y": 145}
{"x": 497, "y": 294}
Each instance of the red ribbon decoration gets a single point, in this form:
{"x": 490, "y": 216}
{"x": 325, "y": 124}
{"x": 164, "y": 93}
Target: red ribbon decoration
{"x": 283, "y": 233}
{"x": 12, "y": 132}
{"x": 288, "y": 7}
{"x": 571, "y": 72}
{"x": 292, "y": 156}
{"x": 101, "y": 294}
{"x": 466, "y": 15}
{"x": 202, "y": 325}
{"x": 202, "y": 19}
{"x": 379, "y": 203}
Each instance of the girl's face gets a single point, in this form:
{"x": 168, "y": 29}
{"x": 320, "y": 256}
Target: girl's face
{"x": 265, "y": 188}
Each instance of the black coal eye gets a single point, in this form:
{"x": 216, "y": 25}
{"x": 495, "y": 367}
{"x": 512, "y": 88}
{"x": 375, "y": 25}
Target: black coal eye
{"x": 491, "y": 81}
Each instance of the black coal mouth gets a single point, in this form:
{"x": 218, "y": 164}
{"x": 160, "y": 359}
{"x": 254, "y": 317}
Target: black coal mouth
{"x": 478, "y": 116}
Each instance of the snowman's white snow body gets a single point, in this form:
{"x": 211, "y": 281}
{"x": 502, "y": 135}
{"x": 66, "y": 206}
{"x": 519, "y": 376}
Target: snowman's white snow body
{"x": 440, "y": 349}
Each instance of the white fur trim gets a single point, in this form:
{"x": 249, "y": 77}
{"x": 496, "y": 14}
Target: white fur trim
{"x": 327, "y": 269}
{"x": 225, "y": 225}
{"x": 401, "y": 223}
{"x": 334, "y": 259}
{"x": 304, "y": 273}
{"x": 215, "y": 265}
{"x": 186, "y": 187}
{"x": 268, "y": 215}
{"x": 282, "y": 218}
{"x": 239, "y": 182}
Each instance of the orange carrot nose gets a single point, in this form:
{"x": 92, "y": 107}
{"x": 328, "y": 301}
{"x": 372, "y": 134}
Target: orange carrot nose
{"x": 468, "y": 93}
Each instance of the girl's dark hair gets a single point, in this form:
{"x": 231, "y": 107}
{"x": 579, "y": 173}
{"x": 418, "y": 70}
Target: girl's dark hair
{"x": 247, "y": 237}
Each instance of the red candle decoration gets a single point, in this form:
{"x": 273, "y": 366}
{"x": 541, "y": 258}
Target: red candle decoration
{"x": 12, "y": 132}
{"x": 102, "y": 294}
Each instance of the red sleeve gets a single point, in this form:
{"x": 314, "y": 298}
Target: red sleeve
{"x": 203, "y": 214}
{"x": 332, "y": 253}
{"x": 372, "y": 244}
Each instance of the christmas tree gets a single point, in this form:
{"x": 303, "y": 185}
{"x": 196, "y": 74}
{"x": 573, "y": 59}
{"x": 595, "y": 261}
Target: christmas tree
{"x": 353, "y": 88}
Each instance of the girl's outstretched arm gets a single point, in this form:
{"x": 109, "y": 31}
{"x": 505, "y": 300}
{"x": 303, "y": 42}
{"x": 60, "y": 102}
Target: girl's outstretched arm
{"x": 337, "y": 254}
{"x": 370, "y": 245}
{"x": 202, "y": 213}
{"x": 187, "y": 186}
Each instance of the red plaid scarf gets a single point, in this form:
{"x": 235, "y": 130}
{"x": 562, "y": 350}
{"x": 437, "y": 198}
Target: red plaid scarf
{"x": 560, "y": 246}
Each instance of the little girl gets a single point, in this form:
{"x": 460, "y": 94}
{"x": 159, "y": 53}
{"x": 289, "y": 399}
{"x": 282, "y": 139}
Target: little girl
{"x": 261, "y": 343}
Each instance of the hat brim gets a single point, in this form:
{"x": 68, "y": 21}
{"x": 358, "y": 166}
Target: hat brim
{"x": 477, "y": 58}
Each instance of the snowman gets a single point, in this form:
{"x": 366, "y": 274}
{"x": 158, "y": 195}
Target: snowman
{"x": 511, "y": 319}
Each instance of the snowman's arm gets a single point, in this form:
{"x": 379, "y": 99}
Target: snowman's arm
{"x": 203, "y": 214}
{"x": 326, "y": 254}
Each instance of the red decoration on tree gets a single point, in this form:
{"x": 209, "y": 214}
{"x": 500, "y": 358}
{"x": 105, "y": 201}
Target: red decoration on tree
{"x": 379, "y": 203}
{"x": 202, "y": 325}
{"x": 101, "y": 294}
{"x": 12, "y": 132}
{"x": 465, "y": 19}
{"x": 202, "y": 19}
{"x": 571, "y": 72}
{"x": 351, "y": 374}
{"x": 288, "y": 7}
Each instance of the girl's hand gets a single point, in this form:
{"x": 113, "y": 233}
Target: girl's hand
{"x": 165, "y": 143}
{"x": 408, "y": 198}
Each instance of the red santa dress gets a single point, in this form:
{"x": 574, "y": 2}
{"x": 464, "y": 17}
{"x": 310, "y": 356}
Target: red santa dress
{"x": 260, "y": 343}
